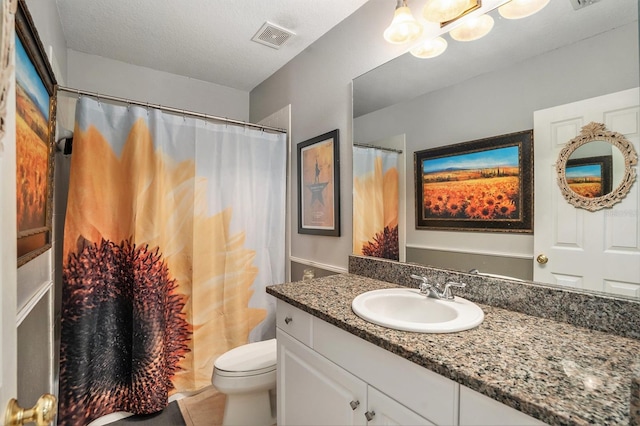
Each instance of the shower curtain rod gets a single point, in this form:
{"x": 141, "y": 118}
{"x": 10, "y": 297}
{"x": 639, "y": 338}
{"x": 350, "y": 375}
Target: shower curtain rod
{"x": 100, "y": 96}
{"x": 364, "y": 145}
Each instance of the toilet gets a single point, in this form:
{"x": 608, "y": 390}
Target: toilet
{"x": 247, "y": 376}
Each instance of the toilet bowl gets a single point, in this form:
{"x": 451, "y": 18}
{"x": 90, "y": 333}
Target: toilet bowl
{"x": 247, "y": 376}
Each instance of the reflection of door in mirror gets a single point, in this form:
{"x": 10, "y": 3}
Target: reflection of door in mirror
{"x": 378, "y": 213}
{"x": 590, "y": 250}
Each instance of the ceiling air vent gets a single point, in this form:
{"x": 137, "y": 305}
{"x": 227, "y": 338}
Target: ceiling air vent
{"x": 272, "y": 35}
{"x": 579, "y": 4}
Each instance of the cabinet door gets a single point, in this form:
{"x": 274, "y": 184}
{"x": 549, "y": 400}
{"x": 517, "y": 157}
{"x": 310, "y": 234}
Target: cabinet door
{"x": 385, "y": 411}
{"x": 314, "y": 391}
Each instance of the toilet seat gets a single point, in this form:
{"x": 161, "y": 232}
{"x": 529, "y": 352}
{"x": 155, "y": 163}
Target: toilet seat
{"x": 248, "y": 360}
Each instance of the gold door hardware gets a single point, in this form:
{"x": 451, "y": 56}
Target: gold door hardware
{"x": 542, "y": 259}
{"x": 41, "y": 414}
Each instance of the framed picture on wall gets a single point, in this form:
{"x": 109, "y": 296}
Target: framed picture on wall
{"x": 35, "y": 129}
{"x": 319, "y": 185}
{"x": 590, "y": 177}
{"x": 481, "y": 185}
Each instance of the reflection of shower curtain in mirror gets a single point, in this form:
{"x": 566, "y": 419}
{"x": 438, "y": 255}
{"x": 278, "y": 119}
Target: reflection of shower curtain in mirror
{"x": 375, "y": 202}
{"x": 174, "y": 227}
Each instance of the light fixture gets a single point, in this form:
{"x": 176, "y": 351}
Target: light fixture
{"x": 403, "y": 28}
{"x": 445, "y": 10}
{"x": 472, "y": 28}
{"x": 517, "y": 9}
{"x": 429, "y": 48}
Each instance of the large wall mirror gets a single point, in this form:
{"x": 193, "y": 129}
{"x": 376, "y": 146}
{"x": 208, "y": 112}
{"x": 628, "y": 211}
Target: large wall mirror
{"x": 490, "y": 87}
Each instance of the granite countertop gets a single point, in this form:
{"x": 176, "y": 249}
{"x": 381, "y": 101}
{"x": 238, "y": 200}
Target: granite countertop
{"x": 558, "y": 373}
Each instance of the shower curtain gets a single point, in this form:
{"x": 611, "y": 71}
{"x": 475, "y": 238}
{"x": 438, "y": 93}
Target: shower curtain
{"x": 174, "y": 227}
{"x": 375, "y": 202}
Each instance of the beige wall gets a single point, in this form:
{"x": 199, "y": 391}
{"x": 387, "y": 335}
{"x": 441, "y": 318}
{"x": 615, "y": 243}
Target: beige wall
{"x": 115, "y": 78}
{"x": 317, "y": 83}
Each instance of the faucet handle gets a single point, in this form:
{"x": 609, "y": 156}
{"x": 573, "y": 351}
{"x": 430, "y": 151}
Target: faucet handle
{"x": 446, "y": 293}
{"x": 425, "y": 287}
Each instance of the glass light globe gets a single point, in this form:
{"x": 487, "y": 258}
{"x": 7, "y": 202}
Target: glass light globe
{"x": 403, "y": 28}
{"x": 429, "y": 48}
{"x": 444, "y": 10}
{"x": 517, "y": 9}
{"x": 473, "y": 28}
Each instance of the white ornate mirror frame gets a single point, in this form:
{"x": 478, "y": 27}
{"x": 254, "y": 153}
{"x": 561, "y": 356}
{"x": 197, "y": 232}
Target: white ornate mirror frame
{"x": 590, "y": 133}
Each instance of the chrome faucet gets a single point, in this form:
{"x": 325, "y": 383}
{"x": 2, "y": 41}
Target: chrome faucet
{"x": 434, "y": 290}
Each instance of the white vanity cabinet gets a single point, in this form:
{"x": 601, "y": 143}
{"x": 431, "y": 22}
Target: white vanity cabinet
{"x": 327, "y": 376}
{"x": 315, "y": 389}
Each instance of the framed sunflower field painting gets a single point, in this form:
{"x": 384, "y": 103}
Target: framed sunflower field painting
{"x": 590, "y": 177}
{"x": 481, "y": 185}
{"x": 35, "y": 129}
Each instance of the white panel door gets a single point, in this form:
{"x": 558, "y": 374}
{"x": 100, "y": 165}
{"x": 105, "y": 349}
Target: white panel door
{"x": 8, "y": 253}
{"x": 588, "y": 250}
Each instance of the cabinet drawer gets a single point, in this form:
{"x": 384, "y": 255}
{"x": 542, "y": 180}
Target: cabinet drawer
{"x": 294, "y": 322}
{"x": 479, "y": 410}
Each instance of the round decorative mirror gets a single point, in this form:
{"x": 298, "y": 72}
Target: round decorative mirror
{"x": 595, "y": 169}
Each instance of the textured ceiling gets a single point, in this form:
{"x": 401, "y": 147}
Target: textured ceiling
{"x": 208, "y": 40}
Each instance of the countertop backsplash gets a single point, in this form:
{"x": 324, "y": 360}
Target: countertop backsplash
{"x": 593, "y": 311}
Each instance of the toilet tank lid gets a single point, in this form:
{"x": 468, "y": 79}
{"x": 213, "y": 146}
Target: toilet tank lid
{"x": 249, "y": 357}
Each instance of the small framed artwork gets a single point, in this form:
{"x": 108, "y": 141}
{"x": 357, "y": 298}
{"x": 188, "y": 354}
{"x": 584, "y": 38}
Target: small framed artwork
{"x": 481, "y": 185}
{"x": 590, "y": 177}
{"x": 319, "y": 185}
{"x": 35, "y": 129}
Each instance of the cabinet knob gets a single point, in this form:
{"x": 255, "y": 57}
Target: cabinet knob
{"x": 370, "y": 415}
{"x": 354, "y": 404}
{"x": 287, "y": 320}
{"x": 542, "y": 259}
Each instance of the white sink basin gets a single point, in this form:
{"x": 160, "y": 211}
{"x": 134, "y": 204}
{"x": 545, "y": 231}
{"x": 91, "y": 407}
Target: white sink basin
{"x": 409, "y": 310}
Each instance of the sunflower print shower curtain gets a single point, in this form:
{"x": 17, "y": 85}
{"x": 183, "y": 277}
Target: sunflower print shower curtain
{"x": 375, "y": 203}
{"x": 174, "y": 226}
